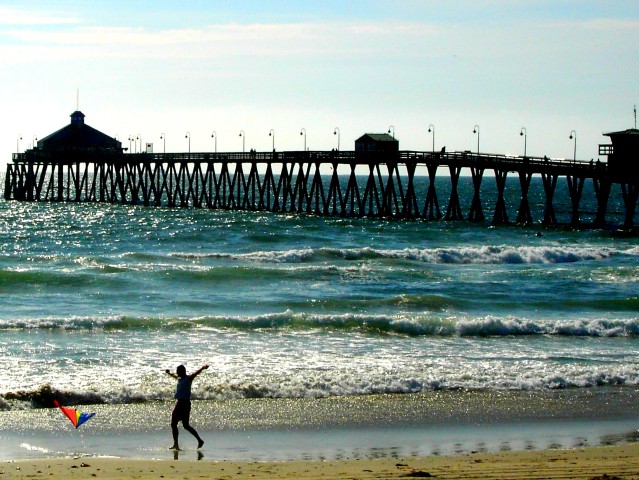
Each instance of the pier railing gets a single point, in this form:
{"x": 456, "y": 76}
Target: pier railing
{"x": 345, "y": 183}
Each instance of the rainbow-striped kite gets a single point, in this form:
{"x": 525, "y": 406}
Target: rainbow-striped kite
{"x": 76, "y": 417}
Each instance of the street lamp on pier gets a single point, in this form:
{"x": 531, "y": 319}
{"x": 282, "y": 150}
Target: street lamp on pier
{"x": 272, "y": 134}
{"x": 476, "y": 130}
{"x": 163, "y": 137}
{"x": 18, "y": 143}
{"x": 243, "y": 135}
{"x": 214, "y": 136}
{"x": 573, "y": 135}
{"x": 524, "y": 133}
{"x": 337, "y": 132}
{"x": 130, "y": 140}
{"x": 303, "y": 132}
{"x": 392, "y": 128}
{"x": 431, "y": 128}
{"x": 139, "y": 137}
{"x": 188, "y": 135}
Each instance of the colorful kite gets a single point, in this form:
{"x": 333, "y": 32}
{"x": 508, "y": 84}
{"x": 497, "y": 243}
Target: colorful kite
{"x": 76, "y": 417}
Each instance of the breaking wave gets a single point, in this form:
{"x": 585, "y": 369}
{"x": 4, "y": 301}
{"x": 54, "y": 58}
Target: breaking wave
{"x": 371, "y": 324}
{"x": 497, "y": 254}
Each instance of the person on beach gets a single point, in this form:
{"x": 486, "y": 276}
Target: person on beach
{"x": 182, "y": 409}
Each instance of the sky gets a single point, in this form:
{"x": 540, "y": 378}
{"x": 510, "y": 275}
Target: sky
{"x": 174, "y": 72}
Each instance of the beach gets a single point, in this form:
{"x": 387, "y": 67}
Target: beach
{"x": 602, "y": 463}
{"x": 473, "y": 434}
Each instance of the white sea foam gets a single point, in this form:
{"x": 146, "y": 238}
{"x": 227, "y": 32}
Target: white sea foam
{"x": 407, "y": 324}
{"x": 495, "y": 254}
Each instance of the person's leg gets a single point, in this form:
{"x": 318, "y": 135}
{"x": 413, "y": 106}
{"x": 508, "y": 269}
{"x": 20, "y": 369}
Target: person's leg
{"x": 187, "y": 426}
{"x": 175, "y": 418}
{"x": 192, "y": 431}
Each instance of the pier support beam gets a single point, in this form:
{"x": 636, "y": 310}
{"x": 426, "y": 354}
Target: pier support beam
{"x": 453, "y": 212}
{"x": 317, "y": 198}
{"x": 575, "y": 189}
{"x": 409, "y": 203}
{"x": 476, "y": 213}
{"x": 370, "y": 200}
{"x": 393, "y": 187}
{"x": 501, "y": 214}
{"x": 352, "y": 200}
{"x": 524, "y": 217}
{"x": 602, "y": 191}
{"x": 550, "y": 182}
{"x": 334, "y": 198}
{"x": 431, "y": 208}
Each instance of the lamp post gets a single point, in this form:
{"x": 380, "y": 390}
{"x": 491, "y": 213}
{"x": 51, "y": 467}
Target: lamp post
{"x": 188, "y": 135}
{"x": 18, "y": 143}
{"x": 392, "y": 128}
{"x": 303, "y": 132}
{"x": 524, "y": 133}
{"x": 573, "y": 135}
{"x": 35, "y": 142}
{"x": 272, "y": 134}
{"x": 139, "y": 137}
{"x": 243, "y": 135}
{"x": 163, "y": 137}
{"x": 337, "y": 132}
{"x": 431, "y": 128}
{"x": 476, "y": 130}
{"x": 130, "y": 140}
{"x": 214, "y": 136}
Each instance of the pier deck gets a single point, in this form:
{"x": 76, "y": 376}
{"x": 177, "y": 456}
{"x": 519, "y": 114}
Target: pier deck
{"x": 345, "y": 183}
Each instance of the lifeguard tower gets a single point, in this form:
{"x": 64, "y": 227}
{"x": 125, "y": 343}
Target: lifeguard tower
{"x": 623, "y": 167}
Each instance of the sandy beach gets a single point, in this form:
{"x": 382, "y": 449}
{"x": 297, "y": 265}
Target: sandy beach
{"x": 620, "y": 462}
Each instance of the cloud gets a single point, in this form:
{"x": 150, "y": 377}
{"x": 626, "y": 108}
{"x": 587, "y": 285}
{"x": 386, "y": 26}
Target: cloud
{"x": 334, "y": 39}
{"x": 15, "y": 17}
{"x": 598, "y": 24}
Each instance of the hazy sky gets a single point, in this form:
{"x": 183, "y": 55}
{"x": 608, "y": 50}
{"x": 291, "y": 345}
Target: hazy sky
{"x": 152, "y": 67}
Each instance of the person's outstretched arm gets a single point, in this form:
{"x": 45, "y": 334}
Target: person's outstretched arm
{"x": 198, "y": 371}
{"x": 170, "y": 373}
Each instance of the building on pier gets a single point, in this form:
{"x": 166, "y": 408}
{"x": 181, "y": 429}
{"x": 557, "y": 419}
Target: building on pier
{"x": 623, "y": 153}
{"x": 79, "y": 137}
{"x": 377, "y": 142}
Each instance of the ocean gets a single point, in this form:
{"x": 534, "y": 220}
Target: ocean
{"x": 97, "y": 300}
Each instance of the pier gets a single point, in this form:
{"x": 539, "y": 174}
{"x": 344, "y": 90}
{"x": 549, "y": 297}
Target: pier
{"x": 378, "y": 184}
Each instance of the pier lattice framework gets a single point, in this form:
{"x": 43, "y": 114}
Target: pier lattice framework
{"x": 341, "y": 183}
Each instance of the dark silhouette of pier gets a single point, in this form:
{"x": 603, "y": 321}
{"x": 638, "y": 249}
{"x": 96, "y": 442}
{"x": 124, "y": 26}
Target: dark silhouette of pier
{"x": 380, "y": 184}
{"x": 373, "y": 185}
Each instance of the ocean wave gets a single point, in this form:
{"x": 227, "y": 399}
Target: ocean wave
{"x": 409, "y": 325}
{"x": 44, "y": 396}
{"x": 317, "y": 385}
{"x": 495, "y": 254}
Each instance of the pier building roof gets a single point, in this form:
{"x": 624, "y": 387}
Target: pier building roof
{"x": 79, "y": 136}
{"x": 630, "y": 132}
{"x": 376, "y": 142}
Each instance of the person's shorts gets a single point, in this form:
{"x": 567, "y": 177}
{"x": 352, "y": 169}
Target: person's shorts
{"x": 181, "y": 411}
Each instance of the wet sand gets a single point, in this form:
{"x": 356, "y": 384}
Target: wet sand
{"x": 598, "y": 463}
{"x": 580, "y": 434}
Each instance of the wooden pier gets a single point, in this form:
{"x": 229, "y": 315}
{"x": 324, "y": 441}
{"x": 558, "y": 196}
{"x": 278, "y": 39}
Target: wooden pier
{"x": 81, "y": 164}
{"x": 342, "y": 183}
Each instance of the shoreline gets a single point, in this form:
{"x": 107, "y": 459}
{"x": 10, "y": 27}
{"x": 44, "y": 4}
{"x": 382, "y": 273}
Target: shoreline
{"x": 593, "y": 463}
{"x": 425, "y": 425}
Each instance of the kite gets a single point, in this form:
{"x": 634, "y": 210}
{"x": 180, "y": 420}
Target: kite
{"x": 76, "y": 417}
